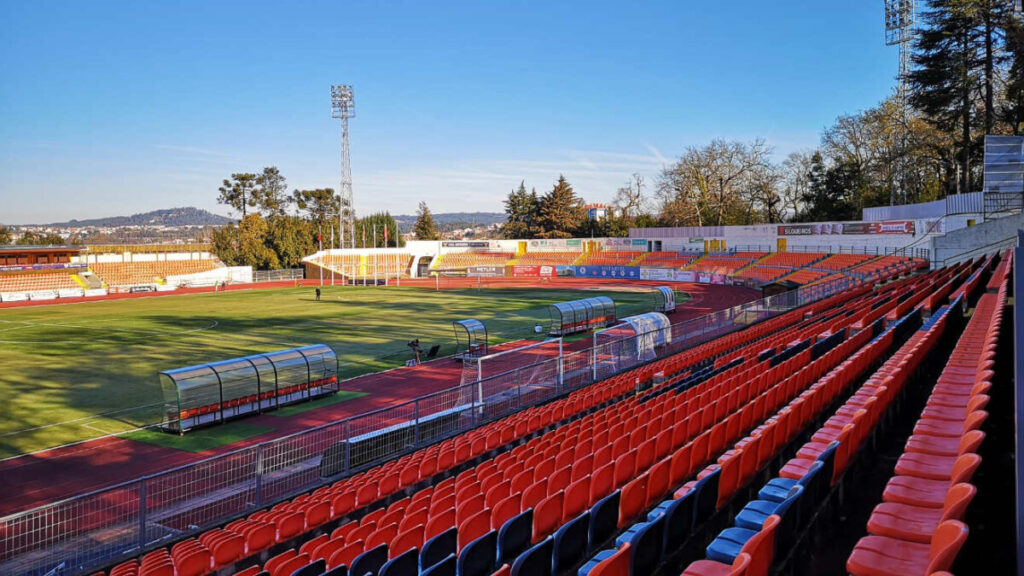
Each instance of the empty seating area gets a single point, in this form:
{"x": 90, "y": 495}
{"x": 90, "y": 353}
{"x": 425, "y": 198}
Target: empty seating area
{"x": 462, "y": 260}
{"x": 804, "y": 276}
{"x": 668, "y": 259}
{"x": 344, "y": 263}
{"x": 537, "y": 492}
{"x": 724, "y": 263}
{"x": 791, "y": 259}
{"x": 721, "y": 465}
{"x": 388, "y": 264}
{"x": 123, "y": 274}
{"x": 837, "y": 262}
{"x": 610, "y": 258}
{"x": 36, "y": 281}
{"x": 918, "y": 527}
{"x": 548, "y": 258}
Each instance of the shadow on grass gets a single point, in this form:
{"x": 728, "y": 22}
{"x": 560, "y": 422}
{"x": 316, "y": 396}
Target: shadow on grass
{"x": 199, "y": 440}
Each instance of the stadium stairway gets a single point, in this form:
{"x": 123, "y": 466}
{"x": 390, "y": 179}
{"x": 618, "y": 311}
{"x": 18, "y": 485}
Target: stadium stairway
{"x": 395, "y": 504}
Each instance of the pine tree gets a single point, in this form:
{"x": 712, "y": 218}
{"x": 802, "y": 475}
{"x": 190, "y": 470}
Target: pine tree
{"x": 561, "y": 211}
{"x": 521, "y": 211}
{"x": 949, "y": 62}
{"x": 424, "y": 227}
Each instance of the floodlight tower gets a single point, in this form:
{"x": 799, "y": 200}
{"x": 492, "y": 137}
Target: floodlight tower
{"x": 900, "y": 17}
{"x": 343, "y": 107}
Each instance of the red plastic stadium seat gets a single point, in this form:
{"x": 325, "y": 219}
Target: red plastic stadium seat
{"x": 884, "y": 556}
{"x": 739, "y": 567}
{"x": 918, "y": 523}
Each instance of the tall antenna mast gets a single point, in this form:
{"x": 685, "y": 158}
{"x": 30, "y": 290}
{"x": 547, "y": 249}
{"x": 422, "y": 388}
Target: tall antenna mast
{"x": 900, "y": 18}
{"x": 343, "y": 107}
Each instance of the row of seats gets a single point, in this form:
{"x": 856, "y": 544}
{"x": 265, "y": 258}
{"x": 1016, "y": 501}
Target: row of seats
{"x": 36, "y": 281}
{"x": 918, "y": 527}
{"x": 791, "y": 259}
{"x": 665, "y": 259}
{"x": 387, "y": 264}
{"x": 139, "y": 273}
{"x": 838, "y": 262}
{"x": 537, "y": 258}
{"x": 462, "y": 260}
{"x": 724, "y": 263}
{"x": 610, "y": 257}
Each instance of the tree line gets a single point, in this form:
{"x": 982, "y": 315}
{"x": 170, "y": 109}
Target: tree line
{"x": 278, "y": 229}
{"x": 967, "y": 80}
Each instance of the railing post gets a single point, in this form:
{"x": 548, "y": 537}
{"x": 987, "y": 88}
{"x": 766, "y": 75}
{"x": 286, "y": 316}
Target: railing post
{"x": 142, "y": 513}
{"x": 348, "y": 447}
{"x": 259, "y": 475}
{"x": 416, "y": 427}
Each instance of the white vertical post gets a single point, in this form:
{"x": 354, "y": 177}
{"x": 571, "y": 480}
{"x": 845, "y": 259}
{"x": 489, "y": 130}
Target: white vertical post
{"x": 561, "y": 365}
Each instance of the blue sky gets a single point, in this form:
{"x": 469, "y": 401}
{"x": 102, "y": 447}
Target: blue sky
{"x": 110, "y": 108}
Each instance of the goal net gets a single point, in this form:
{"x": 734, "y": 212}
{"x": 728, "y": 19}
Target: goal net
{"x": 515, "y": 370}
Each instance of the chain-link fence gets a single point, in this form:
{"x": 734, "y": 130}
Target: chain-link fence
{"x": 87, "y": 532}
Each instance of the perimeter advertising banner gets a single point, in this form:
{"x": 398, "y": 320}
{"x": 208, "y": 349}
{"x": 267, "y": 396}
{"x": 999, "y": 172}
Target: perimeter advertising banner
{"x": 865, "y": 228}
{"x": 632, "y": 272}
{"x": 465, "y": 244}
{"x": 23, "y": 267}
{"x": 485, "y": 271}
{"x": 534, "y": 271}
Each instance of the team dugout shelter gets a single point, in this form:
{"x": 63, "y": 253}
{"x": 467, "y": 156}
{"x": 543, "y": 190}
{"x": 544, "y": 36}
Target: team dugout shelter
{"x": 470, "y": 339}
{"x": 582, "y": 315}
{"x": 211, "y": 393}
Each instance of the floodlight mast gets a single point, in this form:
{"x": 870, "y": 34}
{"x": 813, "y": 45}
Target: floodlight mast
{"x": 343, "y": 107}
{"x": 900, "y": 20}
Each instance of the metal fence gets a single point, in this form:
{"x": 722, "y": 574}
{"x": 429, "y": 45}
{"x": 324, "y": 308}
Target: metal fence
{"x": 86, "y": 532}
{"x": 278, "y": 275}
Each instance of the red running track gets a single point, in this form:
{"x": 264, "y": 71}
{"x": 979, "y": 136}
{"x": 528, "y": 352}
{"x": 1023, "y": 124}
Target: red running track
{"x": 52, "y": 475}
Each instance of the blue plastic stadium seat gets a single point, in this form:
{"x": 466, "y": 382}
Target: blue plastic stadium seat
{"x": 405, "y": 564}
{"x": 777, "y": 488}
{"x": 445, "y": 567}
{"x": 570, "y": 543}
{"x": 604, "y": 519}
{"x": 726, "y": 547}
{"x": 536, "y": 561}
{"x": 370, "y": 561}
{"x": 647, "y": 547}
{"x": 514, "y": 536}
{"x": 755, "y": 513}
{"x": 593, "y": 562}
{"x": 477, "y": 558}
{"x": 439, "y": 548}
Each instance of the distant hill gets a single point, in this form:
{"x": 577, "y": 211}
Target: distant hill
{"x": 189, "y": 216}
{"x": 446, "y": 221}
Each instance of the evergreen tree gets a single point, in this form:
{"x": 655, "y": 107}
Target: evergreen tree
{"x": 561, "y": 211}
{"x": 521, "y": 211}
{"x": 320, "y": 206}
{"x": 367, "y": 226}
{"x": 831, "y": 191}
{"x": 5, "y": 235}
{"x": 271, "y": 193}
{"x": 1013, "y": 108}
{"x": 238, "y": 192}
{"x": 424, "y": 227}
{"x": 949, "y": 63}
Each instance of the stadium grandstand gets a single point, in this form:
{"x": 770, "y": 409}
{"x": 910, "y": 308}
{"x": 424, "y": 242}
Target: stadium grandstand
{"x": 721, "y": 456}
{"x": 858, "y": 421}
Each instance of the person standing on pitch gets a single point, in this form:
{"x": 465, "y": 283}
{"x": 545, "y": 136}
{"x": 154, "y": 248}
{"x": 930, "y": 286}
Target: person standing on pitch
{"x": 317, "y": 294}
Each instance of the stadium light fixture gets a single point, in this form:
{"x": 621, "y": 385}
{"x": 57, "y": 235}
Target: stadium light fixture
{"x": 343, "y": 107}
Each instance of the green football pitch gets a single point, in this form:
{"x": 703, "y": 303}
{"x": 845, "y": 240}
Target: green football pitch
{"x": 78, "y": 371}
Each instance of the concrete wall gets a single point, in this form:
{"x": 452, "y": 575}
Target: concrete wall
{"x": 972, "y": 241}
